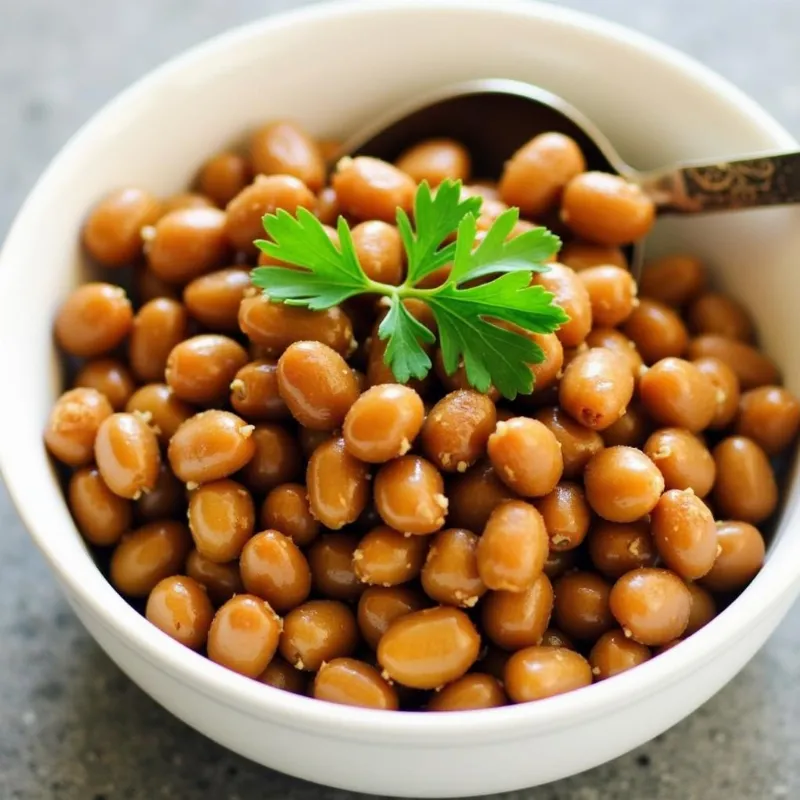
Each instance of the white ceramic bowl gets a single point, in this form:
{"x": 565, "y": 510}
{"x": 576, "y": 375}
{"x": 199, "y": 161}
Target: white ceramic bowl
{"x": 332, "y": 67}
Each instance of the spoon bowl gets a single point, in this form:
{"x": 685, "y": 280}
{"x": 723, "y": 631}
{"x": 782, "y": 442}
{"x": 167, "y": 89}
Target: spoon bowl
{"x": 494, "y": 117}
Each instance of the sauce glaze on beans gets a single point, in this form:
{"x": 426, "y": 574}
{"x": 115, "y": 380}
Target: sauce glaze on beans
{"x": 421, "y": 546}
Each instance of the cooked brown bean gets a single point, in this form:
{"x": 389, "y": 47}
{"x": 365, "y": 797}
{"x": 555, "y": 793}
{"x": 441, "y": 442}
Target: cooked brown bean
{"x": 740, "y": 557}
{"x": 388, "y": 558}
{"x": 109, "y": 377}
{"x": 369, "y": 188}
{"x": 535, "y": 176}
{"x": 284, "y": 148}
{"x": 474, "y": 495}
{"x": 606, "y": 209}
{"x": 526, "y": 456}
{"x": 383, "y": 422}
{"x": 683, "y": 460}
{"x": 332, "y": 567}
{"x": 158, "y": 327}
{"x": 317, "y": 632}
{"x": 581, "y": 605}
{"x": 282, "y": 675}
{"x": 166, "y": 500}
{"x": 571, "y": 294}
{"x": 254, "y": 392}
{"x": 684, "y": 533}
{"x": 616, "y": 548}
{"x": 93, "y": 320}
{"x": 726, "y": 389}
{"x": 209, "y": 446}
{"x": 338, "y": 484}
{"x": 553, "y": 637}
{"x": 158, "y": 403}
{"x": 221, "y": 519}
{"x": 100, "y": 515}
{"x": 558, "y": 563}
{"x": 578, "y": 444}
{"x": 430, "y": 648}
{"x": 274, "y": 569}
{"x": 244, "y": 635}
{"x": 328, "y": 209}
{"x": 182, "y": 200}
{"x": 752, "y": 368}
{"x": 722, "y": 315}
{"x": 286, "y": 509}
{"x": 536, "y": 673}
{"x": 185, "y": 243}
{"x": 265, "y": 195}
{"x": 513, "y": 548}
{"x": 147, "y": 556}
{"x": 651, "y": 605}
{"x": 316, "y": 384}
{"x": 513, "y": 620}
{"x": 674, "y": 392}
{"x": 614, "y": 653}
{"x": 580, "y": 255}
{"x": 380, "y": 251}
{"x": 770, "y": 416}
{"x": 409, "y": 495}
{"x": 275, "y": 326}
{"x": 223, "y": 176}
{"x": 179, "y": 606}
{"x": 631, "y": 429}
{"x": 222, "y": 581}
{"x": 622, "y": 484}
{"x": 73, "y": 423}
{"x": 745, "y": 488}
{"x": 214, "y": 299}
{"x": 434, "y": 160}
{"x": 657, "y": 331}
{"x": 703, "y": 610}
{"x": 675, "y": 280}
{"x": 566, "y": 516}
{"x": 615, "y": 340}
{"x": 112, "y": 233}
{"x": 379, "y": 606}
{"x": 450, "y": 575}
{"x": 596, "y": 388}
{"x": 127, "y": 455}
{"x": 612, "y": 292}
{"x": 469, "y": 693}
{"x": 277, "y": 459}
{"x": 353, "y": 683}
{"x": 457, "y": 429}
{"x": 200, "y": 370}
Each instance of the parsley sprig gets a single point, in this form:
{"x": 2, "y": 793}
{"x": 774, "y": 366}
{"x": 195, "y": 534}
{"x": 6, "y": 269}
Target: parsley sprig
{"x": 466, "y": 310}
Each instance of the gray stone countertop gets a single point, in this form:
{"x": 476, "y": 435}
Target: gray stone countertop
{"x": 72, "y": 727}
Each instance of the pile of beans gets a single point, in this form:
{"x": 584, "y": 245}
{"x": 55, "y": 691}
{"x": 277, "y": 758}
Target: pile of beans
{"x": 274, "y": 499}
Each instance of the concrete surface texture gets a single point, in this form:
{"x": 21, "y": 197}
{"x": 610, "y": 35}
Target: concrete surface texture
{"x": 72, "y": 727}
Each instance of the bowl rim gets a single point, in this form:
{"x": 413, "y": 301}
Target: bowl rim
{"x": 776, "y": 582}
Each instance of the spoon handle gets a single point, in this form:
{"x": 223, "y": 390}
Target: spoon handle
{"x": 746, "y": 183}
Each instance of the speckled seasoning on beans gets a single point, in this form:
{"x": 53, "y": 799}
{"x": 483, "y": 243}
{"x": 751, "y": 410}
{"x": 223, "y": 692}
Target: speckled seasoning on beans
{"x": 272, "y": 497}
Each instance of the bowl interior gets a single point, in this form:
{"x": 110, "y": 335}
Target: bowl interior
{"x": 332, "y": 69}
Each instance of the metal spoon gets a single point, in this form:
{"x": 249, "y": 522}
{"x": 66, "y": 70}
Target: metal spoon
{"x": 494, "y": 117}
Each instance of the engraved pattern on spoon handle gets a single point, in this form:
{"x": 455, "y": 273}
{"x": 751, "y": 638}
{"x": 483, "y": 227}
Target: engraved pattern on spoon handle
{"x": 745, "y": 183}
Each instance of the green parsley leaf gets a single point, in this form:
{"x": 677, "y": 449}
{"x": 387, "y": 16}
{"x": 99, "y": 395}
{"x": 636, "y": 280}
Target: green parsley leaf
{"x": 436, "y": 217}
{"x": 496, "y": 254}
{"x": 406, "y": 335}
{"x": 327, "y": 276}
{"x": 484, "y": 325}
{"x": 493, "y": 354}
